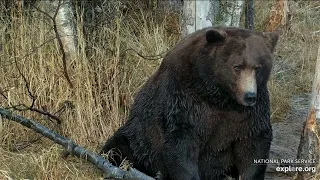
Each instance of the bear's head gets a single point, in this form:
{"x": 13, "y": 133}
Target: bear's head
{"x": 231, "y": 61}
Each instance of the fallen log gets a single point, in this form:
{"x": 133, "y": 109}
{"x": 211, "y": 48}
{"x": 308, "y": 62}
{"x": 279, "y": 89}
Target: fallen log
{"x": 74, "y": 149}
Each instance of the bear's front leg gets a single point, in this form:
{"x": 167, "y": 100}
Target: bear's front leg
{"x": 181, "y": 152}
{"x": 249, "y": 149}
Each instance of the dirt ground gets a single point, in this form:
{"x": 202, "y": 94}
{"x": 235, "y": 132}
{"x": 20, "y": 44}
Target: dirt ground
{"x": 286, "y": 137}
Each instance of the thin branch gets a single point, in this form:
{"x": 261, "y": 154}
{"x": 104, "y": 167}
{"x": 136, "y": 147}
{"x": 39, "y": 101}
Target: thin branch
{"x": 73, "y": 148}
{"x": 24, "y": 79}
{"x": 2, "y": 93}
{"x": 46, "y": 113}
{"x": 33, "y": 98}
{"x": 23, "y": 107}
{"x": 45, "y": 13}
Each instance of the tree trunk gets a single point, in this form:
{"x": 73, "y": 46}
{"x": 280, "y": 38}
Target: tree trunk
{"x": 170, "y": 5}
{"x": 205, "y": 13}
{"x": 249, "y": 24}
{"x": 63, "y": 12}
{"x": 198, "y": 15}
{"x": 66, "y": 26}
{"x": 231, "y": 12}
{"x": 309, "y": 142}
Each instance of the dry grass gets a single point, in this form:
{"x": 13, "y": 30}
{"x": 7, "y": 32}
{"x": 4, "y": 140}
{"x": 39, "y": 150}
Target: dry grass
{"x": 106, "y": 76}
{"x": 296, "y": 53}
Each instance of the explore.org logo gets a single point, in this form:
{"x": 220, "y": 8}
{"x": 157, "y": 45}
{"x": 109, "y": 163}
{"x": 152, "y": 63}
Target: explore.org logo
{"x": 289, "y": 165}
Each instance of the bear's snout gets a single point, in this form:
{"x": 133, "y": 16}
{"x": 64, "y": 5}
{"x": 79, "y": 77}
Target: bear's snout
{"x": 246, "y": 93}
{"x": 250, "y": 98}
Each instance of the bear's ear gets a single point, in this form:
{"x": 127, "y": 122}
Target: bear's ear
{"x": 214, "y": 35}
{"x": 272, "y": 39}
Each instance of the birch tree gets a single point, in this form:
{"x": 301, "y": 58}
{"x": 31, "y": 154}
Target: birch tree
{"x": 231, "y": 12}
{"x": 66, "y": 25}
{"x": 198, "y": 14}
{"x": 63, "y": 12}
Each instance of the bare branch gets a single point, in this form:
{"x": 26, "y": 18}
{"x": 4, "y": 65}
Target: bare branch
{"x": 45, "y": 13}
{"x": 73, "y": 148}
{"x": 2, "y": 93}
{"x": 23, "y": 107}
{"x": 46, "y": 113}
{"x": 33, "y": 98}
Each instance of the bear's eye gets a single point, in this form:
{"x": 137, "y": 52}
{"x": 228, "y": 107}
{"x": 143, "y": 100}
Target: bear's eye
{"x": 237, "y": 67}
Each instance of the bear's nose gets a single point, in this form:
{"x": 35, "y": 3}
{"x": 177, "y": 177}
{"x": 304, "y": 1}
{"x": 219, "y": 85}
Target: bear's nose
{"x": 250, "y": 98}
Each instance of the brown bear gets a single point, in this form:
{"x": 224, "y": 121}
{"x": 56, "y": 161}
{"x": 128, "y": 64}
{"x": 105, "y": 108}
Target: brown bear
{"x": 205, "y": 113}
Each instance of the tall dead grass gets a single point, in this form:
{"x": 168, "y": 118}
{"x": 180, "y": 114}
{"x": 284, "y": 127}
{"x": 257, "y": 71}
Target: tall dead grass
{"x": 106, "y": 74}
{"x": 298, "y": 48}
{"x": 296, "y": 53}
